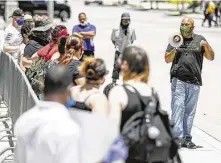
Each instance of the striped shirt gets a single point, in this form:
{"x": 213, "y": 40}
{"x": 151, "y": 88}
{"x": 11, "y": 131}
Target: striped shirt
{"x": 121, "y": 40}
{"x": 13, "y": 37}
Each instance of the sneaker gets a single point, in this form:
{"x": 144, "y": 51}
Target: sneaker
{"x": 188, "y": 144}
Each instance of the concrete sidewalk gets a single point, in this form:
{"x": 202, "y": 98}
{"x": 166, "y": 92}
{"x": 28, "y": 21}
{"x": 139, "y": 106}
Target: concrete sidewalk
{"x": 210, "y": 153}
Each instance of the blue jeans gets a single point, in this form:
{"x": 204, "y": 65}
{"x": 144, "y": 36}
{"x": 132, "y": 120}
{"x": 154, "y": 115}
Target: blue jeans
{"x": 41, "y": 97}
{"x": 184, "y": 102}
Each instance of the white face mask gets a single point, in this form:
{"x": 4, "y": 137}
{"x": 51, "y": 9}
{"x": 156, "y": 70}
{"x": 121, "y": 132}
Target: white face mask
{"x": 84, "y": 24}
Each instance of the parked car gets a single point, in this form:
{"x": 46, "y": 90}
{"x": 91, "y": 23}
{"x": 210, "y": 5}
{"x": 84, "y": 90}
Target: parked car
{"x": 61, "y": 9}
{"x": 105, "y": 2}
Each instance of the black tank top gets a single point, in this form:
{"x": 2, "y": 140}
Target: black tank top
{"x": 83, "y": 105}
{"x": 134, "y": 105}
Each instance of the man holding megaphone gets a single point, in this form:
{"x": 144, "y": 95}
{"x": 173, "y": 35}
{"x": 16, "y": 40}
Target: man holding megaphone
{"x": 186, "y": 52}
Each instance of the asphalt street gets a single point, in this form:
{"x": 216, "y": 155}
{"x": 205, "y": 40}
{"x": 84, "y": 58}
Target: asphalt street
{"x": 153, "y": 29}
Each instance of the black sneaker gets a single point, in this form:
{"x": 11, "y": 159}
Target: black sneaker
{"x": 188, "y": 144}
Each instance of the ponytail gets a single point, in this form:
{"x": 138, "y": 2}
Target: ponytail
{"x": 67, "y": 57}
{"x": 67, "y": 48}
{"x": 61, "y": 45}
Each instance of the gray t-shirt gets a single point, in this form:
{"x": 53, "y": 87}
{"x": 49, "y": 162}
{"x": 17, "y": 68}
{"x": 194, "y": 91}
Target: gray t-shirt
{"x": 31, "y": 48}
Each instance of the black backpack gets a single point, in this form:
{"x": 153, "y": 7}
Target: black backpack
{"x": 108, "y": 88}
{"x": 141, "y": 130}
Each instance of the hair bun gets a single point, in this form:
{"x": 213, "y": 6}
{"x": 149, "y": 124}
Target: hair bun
{"x": 90, "y": 72}
{"x": 92, "y": 66}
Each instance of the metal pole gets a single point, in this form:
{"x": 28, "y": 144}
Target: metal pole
{"x": 10, "y": 6}
{"x": 51, "y": 9}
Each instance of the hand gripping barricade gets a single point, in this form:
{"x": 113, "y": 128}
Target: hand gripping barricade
{"x": 18, "y": 97}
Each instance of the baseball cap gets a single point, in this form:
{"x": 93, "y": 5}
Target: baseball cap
{"x": 125, "y": 15}
{"x": 57, "y": 79}
{"x": 17, "y": 12}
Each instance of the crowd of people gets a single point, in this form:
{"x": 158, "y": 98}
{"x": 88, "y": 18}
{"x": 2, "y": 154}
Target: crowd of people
{"x": 64, "y": 72}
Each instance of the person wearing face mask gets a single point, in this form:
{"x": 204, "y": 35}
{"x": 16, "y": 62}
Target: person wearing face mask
{"x": 187, "y": 63}
{"x": 46, "y": 133}
{"x": 12, "y": 36}
{"x": 88, "y": 31}
{"x": 121, "y": 37}
{"x": 28, "y": 19}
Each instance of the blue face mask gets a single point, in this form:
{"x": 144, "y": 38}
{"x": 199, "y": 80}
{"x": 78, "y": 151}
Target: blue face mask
{"x": 20, "y": 21}
{"x": 70, "y": 103}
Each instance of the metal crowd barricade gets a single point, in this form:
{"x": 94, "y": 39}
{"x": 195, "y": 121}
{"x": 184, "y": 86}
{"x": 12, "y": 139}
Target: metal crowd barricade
{"x": 17, "y": 94}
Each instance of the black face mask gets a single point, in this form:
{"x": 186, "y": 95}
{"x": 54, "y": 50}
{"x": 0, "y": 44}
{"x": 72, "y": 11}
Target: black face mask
{"x": 124, "y": 26}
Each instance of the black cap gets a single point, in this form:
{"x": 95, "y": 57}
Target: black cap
{"x": 125, "y": 15}
{"x": 57, "y": 79}
{"x": 17, "y": 12}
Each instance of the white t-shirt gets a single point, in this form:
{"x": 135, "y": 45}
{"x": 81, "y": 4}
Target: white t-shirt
{"x": 47, "y": 134}
{"x": 13, "y": 37}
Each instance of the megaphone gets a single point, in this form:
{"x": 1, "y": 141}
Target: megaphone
{"x": 176, "y": 40}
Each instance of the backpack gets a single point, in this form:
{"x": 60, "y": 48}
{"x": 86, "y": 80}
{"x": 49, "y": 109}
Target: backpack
{"x": 108, "y": 88}
{"x": 148, "y": 133}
